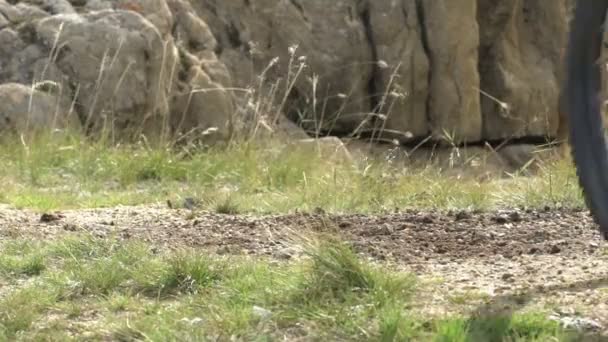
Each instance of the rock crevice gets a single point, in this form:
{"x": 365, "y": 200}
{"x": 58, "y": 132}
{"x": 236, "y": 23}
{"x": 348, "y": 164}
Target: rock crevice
{"x": 375, "y": 98}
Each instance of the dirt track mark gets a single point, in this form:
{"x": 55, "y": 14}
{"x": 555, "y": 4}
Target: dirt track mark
{"x": 409, "y": 237}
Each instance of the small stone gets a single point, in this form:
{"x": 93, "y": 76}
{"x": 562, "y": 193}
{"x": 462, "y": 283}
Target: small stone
{"x": 46, "y": 217}
{"x": 500, "y": 219}
{"x": 191, "y": 203}
{"x": 285, "y": 254}
{"x": 223, "y": 250}
{"x": 193, "y": 321}
{"x": 319, "y": 211}
{"x": 515, "y": 216}
{"x": 70, "y": 227}
{"x": 578, "y": 323}
{"x": 260, "y": 312}
{"x": 386, "y": 229}
{"x": 462, "y": 215}
{"x": 344, "y": 224}
{"x": 427, "y": 219}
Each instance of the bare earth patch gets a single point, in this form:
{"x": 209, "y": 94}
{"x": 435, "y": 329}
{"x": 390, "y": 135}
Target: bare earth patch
{"x": 510, "y": 260}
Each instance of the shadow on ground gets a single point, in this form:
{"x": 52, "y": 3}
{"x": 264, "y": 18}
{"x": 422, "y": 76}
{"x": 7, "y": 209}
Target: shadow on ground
{"x": 496, "y": 318}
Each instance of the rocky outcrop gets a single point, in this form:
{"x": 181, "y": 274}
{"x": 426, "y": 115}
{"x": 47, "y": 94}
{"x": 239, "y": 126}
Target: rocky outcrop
{"x": 322, "y": 48}
{"x": 463, "y": 70}
{"x": 452, "y": 37}
{"x": 400, "y": 82}
{"x": 120, "y": 62}
{"x": 116, "y": 66}
{"x": 33, "y": 108}
{"x": 410, "y": 70}
{"x": 200, "y": 105}
{"x": 520, "y": 58}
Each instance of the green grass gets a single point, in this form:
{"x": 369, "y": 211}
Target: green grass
{"x": 66, "y": 171}
{"x": 102, "y": 289}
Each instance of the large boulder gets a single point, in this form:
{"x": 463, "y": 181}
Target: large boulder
{"x": 201, "y": 104}
{"x": 117, "y": 65}
{"x": 33, "y": 108}
{"x": 452, "y": 35}
{"x": 401, "y": 80}
{"x": 464, "y": 70}
{"x": 126, "y": 65}
{"x": 520, "y": 61}
{"x": 324, "y": 60}
{"x": 456, "y": 70}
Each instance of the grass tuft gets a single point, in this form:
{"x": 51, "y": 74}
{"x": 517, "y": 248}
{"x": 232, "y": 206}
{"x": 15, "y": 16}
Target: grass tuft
{"x": 109, "y": 289}
{"x": 21, "y": 308}
{"x": 21, "y": 259}
{"x": 188, "y": 271}
{"x": 518, "y": 327}
{"x": 66, "y": 171}
{"x": 337, "y": 272}
{"x": 227, "y": 206}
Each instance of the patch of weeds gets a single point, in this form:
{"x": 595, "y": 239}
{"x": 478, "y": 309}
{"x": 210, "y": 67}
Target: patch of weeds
{"x": 189, "y": 271}
{"x": 21, "y": 259}
{"x": 102, "y": 267}
{"x": 336, "y": 270}
{"x": 71, "y": 309}
{"x": 59, "y": 172}
{"x": 110, "y": 268}
{"x": 395, "y": 326}
{"x": 453, "y": 330}
{"x": 535, "y": 326}
{"x": 101, "y": 276}
{"x": 338, "y": 293}
{"x": 82, "y": 247}
{"x": 167, "y": 323}
{"x": 286, "y": 168}
{"x": 21, "y": 308}
{"x": 28, "y": 265}
{"x": 186, "y": 295}
{"x": 227, "y": 206}
{"x": 556, "y": 186}
{"x": 181, "y": 272}
{"x": 331, "y": 296}
{"x": 152, "y": 165}
{"x": 468, "y": 297}
{"x": 516, "y": 327}
{"x": 117, "y": 302}
{"x": 245, "y": 284}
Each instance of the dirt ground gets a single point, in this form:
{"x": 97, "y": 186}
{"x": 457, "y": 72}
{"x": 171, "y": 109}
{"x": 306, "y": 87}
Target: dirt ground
{"x": 496, "y": 261}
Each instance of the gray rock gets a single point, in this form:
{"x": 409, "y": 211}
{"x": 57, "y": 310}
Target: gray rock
{"x": 121, "y": 63}
{"x": 24, "y": 109}
{"x": 459, "y": 70}
{"x": 575, "y": 322}
{"x": 261, "y": 313}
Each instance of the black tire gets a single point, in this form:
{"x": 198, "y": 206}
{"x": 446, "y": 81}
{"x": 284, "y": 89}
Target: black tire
{"x": 583, "y": 86}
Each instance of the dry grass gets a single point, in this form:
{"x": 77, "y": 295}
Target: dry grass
{"x": 67, "y": 171}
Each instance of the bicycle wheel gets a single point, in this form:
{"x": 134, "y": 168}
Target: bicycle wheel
{"x": 583, "y": 86}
